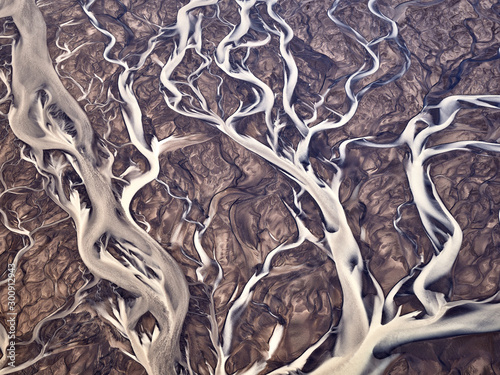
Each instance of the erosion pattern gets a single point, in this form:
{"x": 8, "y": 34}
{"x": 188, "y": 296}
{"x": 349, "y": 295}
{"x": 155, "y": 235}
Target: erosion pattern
{"x": 250, "y": 187}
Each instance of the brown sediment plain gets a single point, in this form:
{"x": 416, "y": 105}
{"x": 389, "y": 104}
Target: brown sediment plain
{"x": 251, "y": 187}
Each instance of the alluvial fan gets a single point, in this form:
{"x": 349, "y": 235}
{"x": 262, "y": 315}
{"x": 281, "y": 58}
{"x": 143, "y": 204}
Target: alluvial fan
{"x": 249, "y": 187}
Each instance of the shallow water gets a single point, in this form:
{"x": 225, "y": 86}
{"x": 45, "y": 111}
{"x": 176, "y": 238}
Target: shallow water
{"x": 250, "y": 187}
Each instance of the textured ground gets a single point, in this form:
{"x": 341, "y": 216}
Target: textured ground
{"x": 252, "y": 205}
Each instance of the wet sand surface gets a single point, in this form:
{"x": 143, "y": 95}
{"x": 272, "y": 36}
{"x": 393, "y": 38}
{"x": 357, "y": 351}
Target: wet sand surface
{"x": 249, "y": 187}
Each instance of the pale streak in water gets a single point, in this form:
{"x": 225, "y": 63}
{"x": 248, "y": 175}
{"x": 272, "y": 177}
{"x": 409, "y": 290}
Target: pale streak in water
{"x": 44, "y": 116}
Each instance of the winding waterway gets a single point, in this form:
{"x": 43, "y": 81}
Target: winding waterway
{"x": 250, "y": 187}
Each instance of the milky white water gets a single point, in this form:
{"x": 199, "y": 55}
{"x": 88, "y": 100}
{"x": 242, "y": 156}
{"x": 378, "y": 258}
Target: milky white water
{"x": 194, "y": 73}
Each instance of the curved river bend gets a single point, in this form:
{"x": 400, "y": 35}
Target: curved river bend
{"x": 249, "y": 187}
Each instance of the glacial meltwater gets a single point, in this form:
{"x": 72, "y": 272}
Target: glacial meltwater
{"x": 249, "y": 187}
